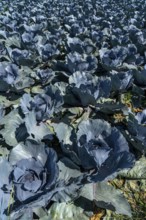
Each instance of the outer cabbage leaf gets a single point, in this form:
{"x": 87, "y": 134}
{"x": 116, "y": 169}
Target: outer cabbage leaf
{"x": 5, "y": 187}
{"x": 27, "y": 38}
{"x": 116, "y": 202}
{"x": 20, "y": 57}
{"x": 11, "y": 122}
{"x": 13, "y": 41}
{"x": 5, "y": 199}
{"x": 36, "y": 131}
{"x": 109, "y": 107}
{"x": 8, "y": 75}
{"x": 2, "y": 111}
{"x": 47, "y": 51}
{"x": 137, "y": 172}
{"x": 25, "y": 103}
{"x": 24, "y": 78}
{"x": 67, "y": 137}
{"x": 100, "y": 194}
{"x": 137, "y": 130}
{"x": 121, "y": 81}
{"x": 28, "y": 150}
{"x": 45, "y": 75}
{"x": 140, "y": 77}
{"x": 5, "y": 169}
{"x": 76, "y": 98}
{"x": 23, "y": 216}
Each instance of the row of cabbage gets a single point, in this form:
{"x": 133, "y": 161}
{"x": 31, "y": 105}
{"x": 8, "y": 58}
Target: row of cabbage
{"x": 66, "y": 70}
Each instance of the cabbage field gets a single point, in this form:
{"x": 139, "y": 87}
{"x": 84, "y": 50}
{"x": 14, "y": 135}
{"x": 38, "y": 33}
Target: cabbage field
{"x": 72, "y": 109}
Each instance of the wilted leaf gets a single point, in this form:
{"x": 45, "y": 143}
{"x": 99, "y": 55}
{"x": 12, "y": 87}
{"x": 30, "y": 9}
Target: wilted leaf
{"x": 65, "y": 211}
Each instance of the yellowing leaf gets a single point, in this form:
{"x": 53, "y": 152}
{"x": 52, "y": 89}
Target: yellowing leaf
{"x": 97, "y": 216}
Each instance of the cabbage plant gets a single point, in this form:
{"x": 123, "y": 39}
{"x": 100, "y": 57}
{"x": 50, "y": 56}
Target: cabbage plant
{"x": 30, "y": 172}
{"x": 137, "y": 130}
{"x": 99, "y": 149}
{"x": 44, "y": 105}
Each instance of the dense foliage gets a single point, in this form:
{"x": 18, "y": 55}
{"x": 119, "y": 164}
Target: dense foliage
{"x": 72, "y": 105}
